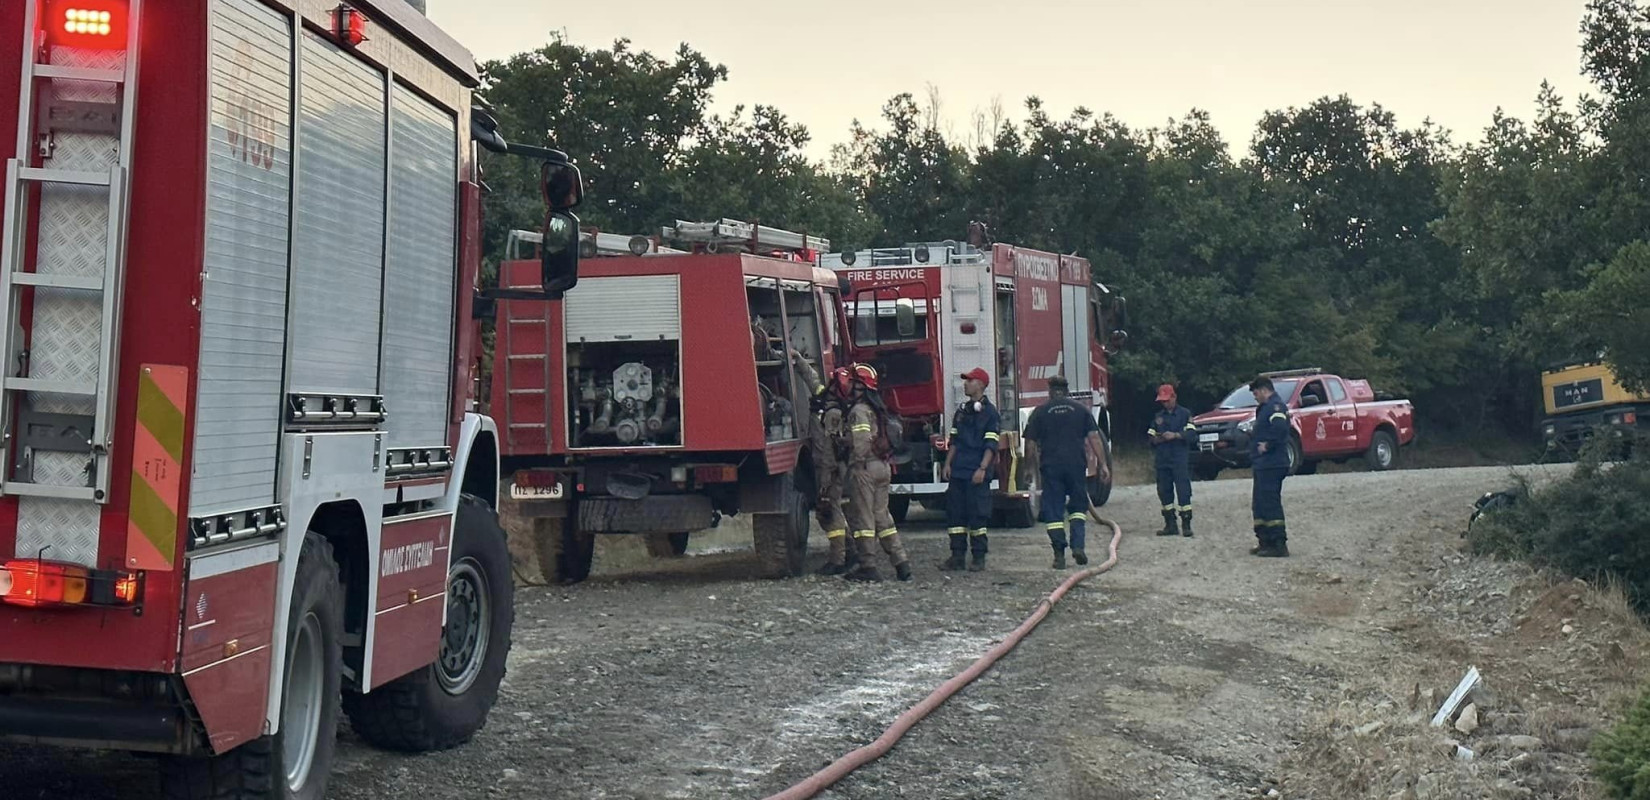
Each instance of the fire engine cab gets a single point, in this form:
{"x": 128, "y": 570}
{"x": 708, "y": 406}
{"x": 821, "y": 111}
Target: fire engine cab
{"x": 925, "y": 313}
{"x": 241, "y": 488}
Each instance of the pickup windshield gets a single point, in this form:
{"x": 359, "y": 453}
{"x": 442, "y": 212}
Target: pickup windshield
{"x": 1243, "y": 398}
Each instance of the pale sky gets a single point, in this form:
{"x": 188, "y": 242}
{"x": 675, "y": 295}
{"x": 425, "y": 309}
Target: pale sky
{"x": 826, "y": 64}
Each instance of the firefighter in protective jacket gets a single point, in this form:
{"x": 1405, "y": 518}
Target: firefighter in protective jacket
{"x": 1172, "y": 433}
{"x": 826, "y": 428}
{"x": 1269, "y": 457}
{"x": 869, "y": 477}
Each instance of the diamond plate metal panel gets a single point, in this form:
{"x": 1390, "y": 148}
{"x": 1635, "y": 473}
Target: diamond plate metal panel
{"x": 62, "y": 530}
{"x": 338, "y": 262}
{"x": 244, "y": 294}
{"x": 418, "y": 294}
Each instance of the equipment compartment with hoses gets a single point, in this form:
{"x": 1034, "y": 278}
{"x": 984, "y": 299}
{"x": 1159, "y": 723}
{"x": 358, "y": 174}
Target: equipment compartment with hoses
{"x": 624, "y": 394}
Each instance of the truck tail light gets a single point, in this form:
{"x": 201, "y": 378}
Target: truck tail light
{"x": 39, "y": 584}
{"x": 716, "y": 473}
{"x": 1630, "y": 418}
{"x": 93, "y": 24}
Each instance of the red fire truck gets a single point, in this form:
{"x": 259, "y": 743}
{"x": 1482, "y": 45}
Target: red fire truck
{"x": 240, "y": 487}
{"x": 658, "y": 395}
{"x": 924, "y": 314}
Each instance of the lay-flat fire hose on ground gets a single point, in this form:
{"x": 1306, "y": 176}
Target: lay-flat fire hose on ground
{"x": 840, "y": 768}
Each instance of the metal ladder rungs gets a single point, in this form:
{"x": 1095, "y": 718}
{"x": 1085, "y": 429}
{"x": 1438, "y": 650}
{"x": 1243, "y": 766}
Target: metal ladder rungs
{"x": 51, "y": 387}
{"x": 63, "y": 176}
{"x": 50, "y": 281}
{"x": 18, "y": 488}
{"x": 79, "y": 73}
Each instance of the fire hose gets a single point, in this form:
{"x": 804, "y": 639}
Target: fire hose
{"x": 842, "y": 767}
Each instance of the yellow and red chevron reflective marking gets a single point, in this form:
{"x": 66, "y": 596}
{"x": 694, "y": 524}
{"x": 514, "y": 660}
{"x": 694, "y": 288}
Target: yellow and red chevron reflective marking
{"x": 157, "y": 460}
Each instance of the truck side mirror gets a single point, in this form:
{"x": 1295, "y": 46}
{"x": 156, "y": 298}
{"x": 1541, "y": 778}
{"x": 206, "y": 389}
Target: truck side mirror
{"x": 905, "y": 316}
{"x": 562, "y": 185}
{"x": 559, "y": 254}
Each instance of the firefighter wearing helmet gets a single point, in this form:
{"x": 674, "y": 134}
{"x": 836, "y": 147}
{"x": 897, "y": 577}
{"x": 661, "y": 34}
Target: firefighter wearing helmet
{"x": 870, "y": 438}
{"x": 826, "y": 428}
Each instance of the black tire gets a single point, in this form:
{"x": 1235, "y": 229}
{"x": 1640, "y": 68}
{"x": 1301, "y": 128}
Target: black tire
{"x": 1017, "y": 514}
{"x": 667, "y": 545}
{"x": 1308, "y": 468}
{"x": 445, "y": 703}
{"x": 782, "y": 538}
{"x": 1295, "y": 459}
{"x": 258, "y": 770}
{"x": 1383, "y": 452}
{"x": 899, "y": 507}
{"x": 1100, "y": 489}
{"x": 1206, "y": 472}
{"x": 565, "y": 554}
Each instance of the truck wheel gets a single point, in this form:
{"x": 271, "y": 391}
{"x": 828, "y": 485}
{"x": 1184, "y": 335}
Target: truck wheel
{"x": 899, "y": 507}
{"x": 1308, "y": 468}
{"x": 565, "y": 555}
{"x": 1295, "y": 459}
{"x": 442, "y": 705}
{"x": 1100, "y": 490}
{"x": 294, "y": 763}
{"x": 1206, "y": 472}
{"x": 782, "y": 538}
{"x": 1383, "y": 452}
{"x": 667, "y": 545}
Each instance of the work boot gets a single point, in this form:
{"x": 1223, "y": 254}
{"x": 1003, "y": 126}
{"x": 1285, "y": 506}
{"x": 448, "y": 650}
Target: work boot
{"x": 865, "y": 574}
{"x": 1080, "y": 557}
{"x": 1274, "y": 550}
{"x": 838, "y": 562}
{"x": 957, "y": 562}
{"x": 902, "y": 571}
{"x": 1059, "y": 558}
{"x": 831, "y": 568}
{"x": 1169, "y": 526}
{"x": 1186, "y": 524}
{"x": 978, "y": 565}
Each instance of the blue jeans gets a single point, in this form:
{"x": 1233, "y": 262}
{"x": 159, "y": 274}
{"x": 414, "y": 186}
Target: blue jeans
{"x": 1065, "y": 504}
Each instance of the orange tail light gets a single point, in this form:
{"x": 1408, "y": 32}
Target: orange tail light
{"x": 34, "y": 583}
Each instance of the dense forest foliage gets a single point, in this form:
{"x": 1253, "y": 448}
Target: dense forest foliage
{"x": 1450, "y": 271}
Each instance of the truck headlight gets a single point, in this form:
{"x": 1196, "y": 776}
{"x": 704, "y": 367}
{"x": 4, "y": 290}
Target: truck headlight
{"x": 1246, "y": 426}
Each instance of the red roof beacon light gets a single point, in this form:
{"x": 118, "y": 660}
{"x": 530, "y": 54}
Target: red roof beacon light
{"x": 349, "y": 25}
{"x": 91, "y": 24}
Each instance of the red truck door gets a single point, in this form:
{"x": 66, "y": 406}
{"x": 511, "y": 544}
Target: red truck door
{"x": 1343, "y": 427}
{"x": 1317, "y": 420}
{"x": 893, "y": 329}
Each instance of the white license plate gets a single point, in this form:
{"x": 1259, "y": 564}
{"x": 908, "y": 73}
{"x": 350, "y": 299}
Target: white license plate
{"x": 518, "y": 492}
{"x": 1209, "y": 437}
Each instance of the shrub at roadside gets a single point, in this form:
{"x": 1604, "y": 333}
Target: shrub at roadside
{"x": 1621, "y": 756}
{"x": 1594, "y": 524}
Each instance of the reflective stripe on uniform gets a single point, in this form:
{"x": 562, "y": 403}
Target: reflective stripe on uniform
{"x": 1056, "y": 526}
{"x": 957, "y": 531}
{"x": 887, "y": 533}
{"x": 836, "y": 534}
{"x": 979, "y": 532}
{"x": 1078, "y": 517}
{"x": 1269, "y": 523}
{"x": 1186, "y": 509}
{"x": 1191, "y": 427}
{"x": 953, "y": 431}
{"x": 1280, "y": 415}
{"x": 861, "y": 428}
{"x": 991, "y": 437}
{"x": 865, "y": 534}
{"x": 1170, "y": 507}
{"x": 1151, "y": 431}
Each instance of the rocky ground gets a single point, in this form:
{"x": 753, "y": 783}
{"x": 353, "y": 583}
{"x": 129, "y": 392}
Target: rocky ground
{"x": 1190, "y": 671}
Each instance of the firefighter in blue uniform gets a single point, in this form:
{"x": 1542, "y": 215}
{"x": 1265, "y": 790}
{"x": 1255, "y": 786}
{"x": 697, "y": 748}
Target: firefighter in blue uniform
{"x": 1062, "y": 441}
{"x": 969, "y": 455}
{"x": 1172, "y": 433}
{"x": 1269, "y": 455}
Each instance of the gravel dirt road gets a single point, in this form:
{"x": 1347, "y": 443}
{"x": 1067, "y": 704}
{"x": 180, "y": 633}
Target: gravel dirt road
{"x": 1190, "y": 671}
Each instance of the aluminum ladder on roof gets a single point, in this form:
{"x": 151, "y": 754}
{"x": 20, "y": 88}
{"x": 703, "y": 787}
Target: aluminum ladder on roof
{"x": 58, "y": 388}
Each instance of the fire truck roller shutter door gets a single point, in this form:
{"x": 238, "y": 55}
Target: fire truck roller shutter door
{"x": 418, "y": 275}
{"x": 244, "y": 292}
{"x": 338, "y": 267}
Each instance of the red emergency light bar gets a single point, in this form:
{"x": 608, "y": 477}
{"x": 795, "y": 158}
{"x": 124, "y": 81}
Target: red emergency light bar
{"x": 92, "y": 24}
{"x": 35, "y": 583}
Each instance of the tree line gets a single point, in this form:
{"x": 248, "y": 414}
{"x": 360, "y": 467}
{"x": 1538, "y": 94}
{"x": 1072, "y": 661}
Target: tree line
{"x": 1448, "y": 272}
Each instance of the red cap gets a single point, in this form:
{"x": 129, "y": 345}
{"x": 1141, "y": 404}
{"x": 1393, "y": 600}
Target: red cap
{"x": 1165, "y": 393}
{"x": 978, "y": 374}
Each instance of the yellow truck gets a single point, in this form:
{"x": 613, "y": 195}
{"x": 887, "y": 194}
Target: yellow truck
{"x": 1583, "y": 399}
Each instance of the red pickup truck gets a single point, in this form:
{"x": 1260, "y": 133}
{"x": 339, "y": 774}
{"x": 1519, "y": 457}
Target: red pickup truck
{"x": 1334, "y": 419}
